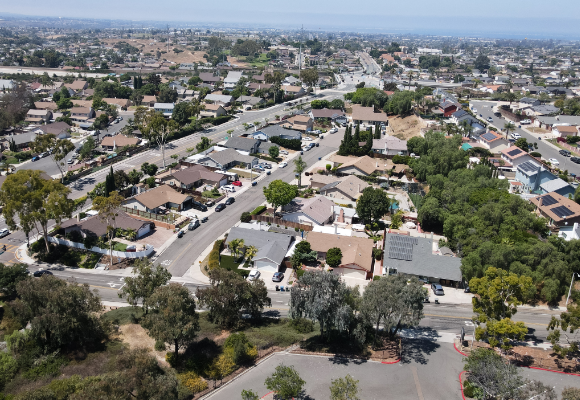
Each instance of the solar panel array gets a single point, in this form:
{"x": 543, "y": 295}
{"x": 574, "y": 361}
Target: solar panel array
{"x": 401, "y": 247}
{"x": 528, "y": 166}
{"x": 514, "y": 152}
{"x": 562, "y": 211}
{"x": 548, "y": 200}
{"x": 488, "y": 136}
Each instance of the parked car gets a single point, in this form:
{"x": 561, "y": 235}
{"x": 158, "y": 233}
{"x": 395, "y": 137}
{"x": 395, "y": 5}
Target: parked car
{"x": 258, "y": 168}
{"x": 203, "y": 219}
{"x": 198, "y": 206}
{"x": 254, "y": 274}
{"x": 210, "y": 203}
{"x": 575, "y": 160}
{"x": 565, "y": 153}
{"x": 266, "y": 165}
{"x": 284, "y": 152}
{"x": 38, "y": 274}
{"x": 333, "y": 130}
{"x": 526, "y": 121}
{"x": 283, "y": 164}
{"x": 553, "y": 161}
{"x": 317, "y": 132}
{"x": 220, "y": 207}
{"x": 237, "y": 183}
{"x": 306, "y": 138}
{"x": 229, "y": 200}
{"x": 489, "y": 119}
{"x": 278, "y": 277}
{"x": 193, "y": 224}
{"x": 317, "y": 144}
{"x": 180, "y": 233}
{"x": 229, "y": 188}
{"x": 69, "y": 161}
{"x": 35, "y": 158}
{"x": 516, "y": 135}
{"x": 437, "y": 289}
{"x": 4, "y": 232}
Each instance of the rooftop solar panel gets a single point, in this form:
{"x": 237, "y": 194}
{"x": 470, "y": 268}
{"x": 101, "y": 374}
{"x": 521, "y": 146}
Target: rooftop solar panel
{"x": 528, "y": 167}
{"x": 488, "y": 136}
{"x": 548, "y": 200}
{"x": 401, "y": 247}
{"x": 514, "y": 152}
{"x": 562, "y": 211}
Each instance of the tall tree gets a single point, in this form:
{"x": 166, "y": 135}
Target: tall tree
{"x": 299, "y": 167}
{"x": 57, "y": 149}
{"x": 285, "y": 382}
{"x": 333, "y": 257}
{"x": 309, "y": 76}
{"x": 509, "y": 126}
{"x": 160, "y": 131}
{"x": 279, "y": 193}
{"x": 173, "y": 318}
{"x": 10, "y": 275}
{"x": 108, "y": 210}
{"x": 147, "y": 277}
{"x": 372, "y": 205}
{"x": 344, "y": 389}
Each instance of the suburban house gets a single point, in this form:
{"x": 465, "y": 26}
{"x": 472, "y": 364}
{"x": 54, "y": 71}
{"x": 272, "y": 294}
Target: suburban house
{"x": 318, "y": 181}
{"x": 253, "y": 86}
{"x": 193, "y": 177}
{"x": 347, "y": 188}
{"x": 6, "y": 85}
{"x": 149, "y": 101}
{"x": 299, "y": 122}
{"x": 362, "y": 166}
{"x": 22, "y": 140}
{"x": 415, "y": 256}
{"x": 316, "y": 210}
{"x": 165, "y": 108}
{"x": 357, "y": 253}
{"x": 295, "y": 91}
{"x": 81, "y": 114}
{"x": 46, "y": 105}
{"x": 158, "y": 199}
{"x": 493, "y": 141}
{"x": 557, "y": 185}
{"x": 94, "y": 226}
{"x": 119, "y": 103}
{"x": 343, "y": 215}
{"x": 223, "y": 99}
{"x": 111, "y": 143}
{"x": 515, "y": 156}
{"x": 38, "y": 116}
{"x": 390, "y": 146}
{"x": 447, "y": 107}
{"x": 212, "y": 110}
{"x": 209, "y": 78}
{"x": 270, "y": 131}
{"x": 250, "y": 101}
{"x": 542, "y": 110}
{"x": 565, "y": 130}
{"x": 529, "y": 102}
{"x": 326, "y": 113}
{"x": 249, "y": 146}
{"x": 367, "y": 115}
{"x": 227, "y": 158}
{"x": 570, "y": 232}
{"x": 532, "y": 174}
{"x": 59, "y": 129}
{"x": 272, "y": 247}
{"x": 547, "y": 122}
{"x": 232, "y": 79}
{"x": 77, "y": 86}
{"x": 559, "y": 210}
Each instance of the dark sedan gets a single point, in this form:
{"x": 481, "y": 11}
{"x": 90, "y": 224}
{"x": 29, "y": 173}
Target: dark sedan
{"x": 575, "y": 160}
{"x": 229, "y": 200}
{"x": 220, "y": 207}
{"x": 40, "y": 273}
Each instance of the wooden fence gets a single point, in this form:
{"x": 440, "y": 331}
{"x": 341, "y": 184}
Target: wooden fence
{"x": 169, "y": 218}
{"x": 281, "y": 222}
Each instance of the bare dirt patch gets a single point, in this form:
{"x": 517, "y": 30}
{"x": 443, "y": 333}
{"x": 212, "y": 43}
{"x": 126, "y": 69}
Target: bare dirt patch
{"x": 537, "y": 130}
{"x": 136, "y": 337}
{"x": 149, "y": 46}
{"x": 407, "y": 127}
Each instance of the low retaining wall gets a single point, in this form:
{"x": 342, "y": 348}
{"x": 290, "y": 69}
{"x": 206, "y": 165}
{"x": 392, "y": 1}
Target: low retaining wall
{"x": 124, "y": 254}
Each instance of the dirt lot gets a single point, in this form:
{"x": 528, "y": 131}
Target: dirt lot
{"x": 148, "y": 46}
{"x": 136, "y": 337}
{"x": 405, "y": 128}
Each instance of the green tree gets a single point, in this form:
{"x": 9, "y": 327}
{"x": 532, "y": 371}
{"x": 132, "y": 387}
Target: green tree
{"x": 10, "y": 275}
{"x": 285, "y": 382}
{"x": 274, "y": 151}
{"x": 567, "y": 324}
{"x": 149, "y": 169}
{"x": 570, "y": 393}
{"x": 61, "y": 314}
{"x": 110, "y": 182}
{"x": 108, "y": 210}
{"x": 344, "y": 389}
{"x": 140, "y": 287}
{"x": 334, "y": 257}
{"x": 279, "y": 193}
{"x": 236, "y": 246}
{"x": 160, "y": 130}
{"x": 204, "y": 144}
{"x": 57, "y": 148}
{"x": 249, "y": 395}
{"x": 87, "y": 148}
{"x": 299, "y": 167}
{"x": 135, "y": 176}
{"x": 173, "y": 318}
{"x": 509, "y": 126}
{"x": 372, "y": 205}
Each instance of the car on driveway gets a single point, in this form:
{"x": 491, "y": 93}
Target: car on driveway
{"x": 254, "y": 274}
{"x": 4, "y": 232}
{"x": 220, "y": 207}
{"x": 38, "y": 274}
{"x": 526, "y": 121}
{"x": 306, "y": 138}
{"x": 283, "y": 164}
{"x": 237, "y": 183}
{"x": 575, "y": 160}
{"x": 278, "y": 277}
{"x": 437, "y": 289}
{"x": 258, "y": 168}
{"x": 516, "y": 135}
{"x": 229, "y": 188}
{"x": 553, "y": 161}
{"x": 284, "y": 152}
{"x": 565, "y": 153}
{"x": 229, "y": 200}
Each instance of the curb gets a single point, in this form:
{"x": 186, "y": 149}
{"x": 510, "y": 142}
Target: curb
{"x": 391, "y": 362}
{"x": 460, "y": 352}
{"x": 461, "y": 384}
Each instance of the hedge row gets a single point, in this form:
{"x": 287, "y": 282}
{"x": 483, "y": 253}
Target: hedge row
{"x": 292, "y": 144}
{"x": 214, "y": 255}
{"x": 258, "y": 210}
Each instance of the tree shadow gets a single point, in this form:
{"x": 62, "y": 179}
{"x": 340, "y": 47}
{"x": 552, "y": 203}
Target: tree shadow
{"x": 339, "y": 360}
{"x": 416, "y": 350}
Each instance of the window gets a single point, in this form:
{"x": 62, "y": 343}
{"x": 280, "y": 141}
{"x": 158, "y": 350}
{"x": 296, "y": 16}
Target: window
{"x": 134, "y": 207}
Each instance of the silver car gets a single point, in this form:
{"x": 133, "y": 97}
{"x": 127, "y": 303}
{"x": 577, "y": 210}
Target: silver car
{"x": 437, "y": 289}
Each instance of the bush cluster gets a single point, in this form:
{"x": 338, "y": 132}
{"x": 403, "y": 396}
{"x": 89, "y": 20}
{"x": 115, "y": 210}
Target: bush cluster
{"x": 302, "y": 325}
{"x": 193, "y": 382}
{"x": 214, "y": 255}
{"x": 258, "y": 210}
{"x": 293, "y": 144}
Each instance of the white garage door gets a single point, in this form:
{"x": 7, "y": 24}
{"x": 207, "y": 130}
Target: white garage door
{"x": 350, "y": 273}
{"x": 144, "y": 230}
{"x": 266, "y": 266}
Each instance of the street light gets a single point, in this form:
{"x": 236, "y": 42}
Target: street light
{"x": 571, "y": 284}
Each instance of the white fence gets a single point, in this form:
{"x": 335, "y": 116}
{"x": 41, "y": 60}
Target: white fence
{"x": 124, "y": 254}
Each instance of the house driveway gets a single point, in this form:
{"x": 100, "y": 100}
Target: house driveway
{"x": 155, "y": 238}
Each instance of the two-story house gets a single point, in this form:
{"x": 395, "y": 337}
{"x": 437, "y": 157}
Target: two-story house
{"x": 81, "y": 114}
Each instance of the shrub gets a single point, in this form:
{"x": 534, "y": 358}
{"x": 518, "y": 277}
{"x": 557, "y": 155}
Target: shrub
{"x": 160, "y": 345}
{"x": 302, "y": 325}
{"x": 246, "y": 217}
{"x": 242, "y": 350}
{"x": 170, "y": 358}
{"x": 299, "y": 273}
{"x": 258, "y": 210}
{"x": 193, "y": 382}
{"x": 293, "y": 144}
{"x": 8, "y": 368}
{"x": 536, "y": 154}
{"x": 472, "y": 391}
{"x": 377, "y": 253}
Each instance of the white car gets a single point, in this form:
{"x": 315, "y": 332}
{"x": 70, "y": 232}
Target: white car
{"x": 4, "y": 232}
{"x": 516, "y": 135}
{"x": 333, "y": 130}
{"x": 254, "y": 274}
{"x": 283, "y": 164}
{"x": 229, "y": 188}
{"x": 526, "y": 121}
{"x": 306, "y": 138}
{"x": 284, "y": 152}
{"x": 317, "y": 132}
{"x": 553, "y": 161}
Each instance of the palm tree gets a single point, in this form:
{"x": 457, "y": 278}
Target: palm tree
{"x": 509, "y": 126}
{"x": 236, "y": 246}
{"x": 509, "y": 96}
{"x": 300, "y": 168}
{"x": 251, "y": 252}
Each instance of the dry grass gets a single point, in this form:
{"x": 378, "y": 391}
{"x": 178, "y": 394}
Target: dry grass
{"x": 148, "y": 46}
{"x": 406, "y": 128}
{"x": 136, "y": 337}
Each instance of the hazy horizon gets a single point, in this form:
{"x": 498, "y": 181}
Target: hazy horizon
{"x": 494, "y": 18}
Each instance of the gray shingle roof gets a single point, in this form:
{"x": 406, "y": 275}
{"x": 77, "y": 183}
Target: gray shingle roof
{"x": 277, "y": 130}
{"x": 423, "y": 262}
{"x": 241, "y": 143}
{"x": 270, "y": 245}
{"x": 554, "y": 185}
{"x": 226, "y": 156}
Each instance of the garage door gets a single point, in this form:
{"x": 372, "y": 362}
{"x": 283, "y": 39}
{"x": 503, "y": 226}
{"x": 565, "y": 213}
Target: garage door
{"x": 266, "y": 266}
{"x": 144, "y": 230}
{"x": 351, "y": 273}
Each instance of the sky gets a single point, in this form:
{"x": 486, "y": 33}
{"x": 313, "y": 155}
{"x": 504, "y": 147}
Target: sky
{"x": 493, "y": 18}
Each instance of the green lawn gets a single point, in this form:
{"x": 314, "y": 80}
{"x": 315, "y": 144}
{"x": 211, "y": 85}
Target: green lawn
{"x": 210, "y": 195}
{"x": 119, "y": 246}
{"x": 123, "y": 315}
{"x": 261, "y": 61}
{"x": 229, "y": 263}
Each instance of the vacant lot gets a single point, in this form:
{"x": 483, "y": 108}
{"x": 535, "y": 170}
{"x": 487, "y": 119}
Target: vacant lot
{"x": 149, "y": 46}
{"x": 407, "y": 127}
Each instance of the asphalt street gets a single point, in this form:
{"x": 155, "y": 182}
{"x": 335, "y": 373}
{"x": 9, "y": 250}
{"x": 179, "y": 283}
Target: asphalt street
{"x": 485, "y": 109}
